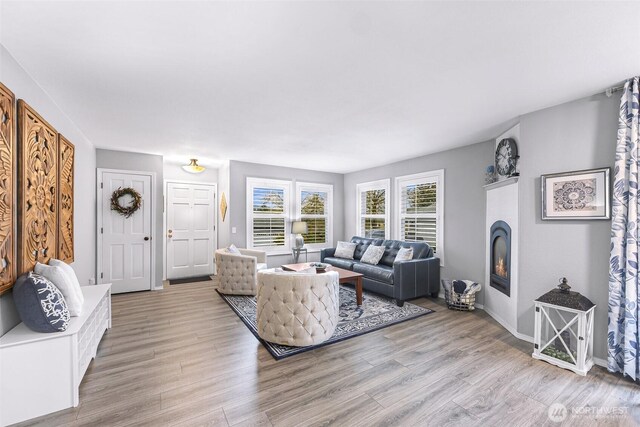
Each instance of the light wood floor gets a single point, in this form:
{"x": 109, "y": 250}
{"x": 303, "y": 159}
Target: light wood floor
{"x": 182, "y": 357}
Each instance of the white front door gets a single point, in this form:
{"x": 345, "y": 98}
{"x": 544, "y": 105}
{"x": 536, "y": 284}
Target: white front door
{"x": 126, "y": 242}
{"x": 191, "y": 229}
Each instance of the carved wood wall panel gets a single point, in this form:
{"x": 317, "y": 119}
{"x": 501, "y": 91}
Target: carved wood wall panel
{"x": 37, "y": 189}
{"x": 66, "y": 151}
{"x": 7, "y": 194}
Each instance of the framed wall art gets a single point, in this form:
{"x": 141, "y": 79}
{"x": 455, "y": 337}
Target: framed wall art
{"x": 37, "y": 189}
{"x": 7, "y": 195}
{"x": 223, "y": 207}
{"x": 66, "y": 151}
{"x": 583, "y": 194}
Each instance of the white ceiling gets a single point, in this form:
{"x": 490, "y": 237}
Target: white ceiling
{"x": 333, "y": 86}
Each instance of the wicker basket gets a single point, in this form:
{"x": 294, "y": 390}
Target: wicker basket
{"x": 460, "y": 301}
{"x": 456, "y": 301}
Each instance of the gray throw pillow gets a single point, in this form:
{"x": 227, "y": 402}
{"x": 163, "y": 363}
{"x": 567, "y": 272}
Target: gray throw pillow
{"x": 373, "y": 255}
{"x": 404, "y": 254}
{"x": 345, "y": 250}
{"x": 40, "y": 304}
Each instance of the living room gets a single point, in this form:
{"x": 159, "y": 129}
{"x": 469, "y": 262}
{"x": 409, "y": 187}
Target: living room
{"x": 324, "y": 116}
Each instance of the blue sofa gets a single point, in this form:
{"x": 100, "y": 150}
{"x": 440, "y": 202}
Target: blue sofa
{"x": 400, "y": 280}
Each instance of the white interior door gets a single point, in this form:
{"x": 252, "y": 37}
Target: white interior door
{"x": 191, "y": 229}
{"x": 126, "y": 242}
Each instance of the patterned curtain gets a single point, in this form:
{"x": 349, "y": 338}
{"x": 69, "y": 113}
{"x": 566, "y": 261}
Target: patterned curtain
{"x": 624, "y": 283}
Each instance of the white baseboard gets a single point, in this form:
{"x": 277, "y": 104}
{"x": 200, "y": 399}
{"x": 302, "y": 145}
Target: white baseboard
{"x": 600, "y": 362}
{"x": 508, "y": 327}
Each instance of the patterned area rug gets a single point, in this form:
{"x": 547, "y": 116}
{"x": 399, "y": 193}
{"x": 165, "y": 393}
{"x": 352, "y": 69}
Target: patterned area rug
{"x": 376, "y": 312}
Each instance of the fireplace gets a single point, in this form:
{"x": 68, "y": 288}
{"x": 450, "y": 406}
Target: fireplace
{"x": 500, "y": 247}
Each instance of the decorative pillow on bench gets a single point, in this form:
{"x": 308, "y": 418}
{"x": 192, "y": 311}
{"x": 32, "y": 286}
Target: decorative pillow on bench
{"x": 373, "y": 255}
{"x": 40, "y": 304}
{"x": 345, "y": 250}
{"x": 70, "y": 289}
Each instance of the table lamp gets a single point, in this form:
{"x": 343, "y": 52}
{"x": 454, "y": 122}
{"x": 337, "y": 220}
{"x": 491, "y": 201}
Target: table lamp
{"x": 299, "y": 228}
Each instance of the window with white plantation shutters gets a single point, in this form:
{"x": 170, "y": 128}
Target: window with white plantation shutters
{"x": 420, "y": 208}
{"x": 373, "y": 209}
{"x": 314, "y": 206}
{"x": 268, "y": 214}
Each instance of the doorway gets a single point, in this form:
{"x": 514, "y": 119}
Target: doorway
{"x": 191, "y": 238}
{"x": 125, "y": 249}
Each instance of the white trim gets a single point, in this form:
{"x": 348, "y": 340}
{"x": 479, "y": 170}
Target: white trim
{"x": 252, "y": 182}
{"x": 164, "y": 218}
{"x": 326, "y": 188}
{"x": 438, "y": 177}
{"x": 600, "y": 362}
{"x": 381, "y": 184}
{"x": 505, "y": 325}
{"x": 154, "y": 197}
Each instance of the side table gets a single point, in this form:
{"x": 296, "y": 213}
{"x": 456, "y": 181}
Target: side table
{"x": 296, "y": 254}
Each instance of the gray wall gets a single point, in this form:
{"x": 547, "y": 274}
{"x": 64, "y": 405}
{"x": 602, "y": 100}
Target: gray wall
{"x": 238, "y": 173}
{"x": 18, "y": 81}
{"x": 464, "y": 203}
{"x": 110, "y": 159}
{"x": 573, "y": 136}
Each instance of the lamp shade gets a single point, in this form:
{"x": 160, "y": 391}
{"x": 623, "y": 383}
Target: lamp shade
{"x": 193, "y": 167}
{"x": 299, "y": 227}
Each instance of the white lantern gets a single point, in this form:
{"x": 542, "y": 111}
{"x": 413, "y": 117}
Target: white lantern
{"x": 564, "y": 329}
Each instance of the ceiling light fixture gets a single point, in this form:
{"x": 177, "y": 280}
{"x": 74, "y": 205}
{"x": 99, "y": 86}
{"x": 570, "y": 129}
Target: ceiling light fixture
{"x": 193, "y": 167}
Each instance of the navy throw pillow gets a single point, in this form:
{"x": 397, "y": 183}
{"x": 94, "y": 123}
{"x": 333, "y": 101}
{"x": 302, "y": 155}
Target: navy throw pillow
{"x": 40, "y": 304}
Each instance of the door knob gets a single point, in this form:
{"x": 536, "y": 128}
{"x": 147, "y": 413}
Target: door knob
{"x": 146, "y": 238}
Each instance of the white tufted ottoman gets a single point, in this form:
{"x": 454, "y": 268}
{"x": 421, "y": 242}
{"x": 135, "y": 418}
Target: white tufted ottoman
{"x": 297, "y": 309}
{"x": 237, "y": 273}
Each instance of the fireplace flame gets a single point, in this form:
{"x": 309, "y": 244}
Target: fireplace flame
{"x": 501, "y": 268}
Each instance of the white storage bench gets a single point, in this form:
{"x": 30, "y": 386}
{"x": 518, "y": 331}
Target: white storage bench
{"x": 41, "y": 373}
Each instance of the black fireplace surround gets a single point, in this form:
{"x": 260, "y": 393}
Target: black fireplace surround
{"x": 500, "y": 257}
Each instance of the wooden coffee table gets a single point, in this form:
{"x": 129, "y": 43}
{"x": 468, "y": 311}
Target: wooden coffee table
{"x": 346, "y": 276}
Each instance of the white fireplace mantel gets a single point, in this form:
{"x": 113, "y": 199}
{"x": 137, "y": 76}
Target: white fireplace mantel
{"x": 503, "y": 205}
{"x": 501, "y": 183}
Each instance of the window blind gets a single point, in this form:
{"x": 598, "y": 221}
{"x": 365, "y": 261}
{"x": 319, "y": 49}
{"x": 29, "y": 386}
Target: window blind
{"x": 268, "y": 231}
{"x": 418, "y": 212}
{"x": 268, "y": 214}
{"x": 373, "y": 213}
{"x": 313, "y": 211}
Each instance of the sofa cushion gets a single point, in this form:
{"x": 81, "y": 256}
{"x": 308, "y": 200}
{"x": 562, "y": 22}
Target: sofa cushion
{"x": 40, "y": 304}
{"x": 420, "y": 250}
{"x": 362, "y": 243}
{"x": 339, "y": 262}
{"x": 381, "y": 273}
{"x": 261, "y": 266}
{"x": 372, "y": 255}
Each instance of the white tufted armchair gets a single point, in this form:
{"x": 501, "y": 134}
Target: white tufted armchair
{"x": 237, "y": 273}
{"x": 297, "y": 309}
